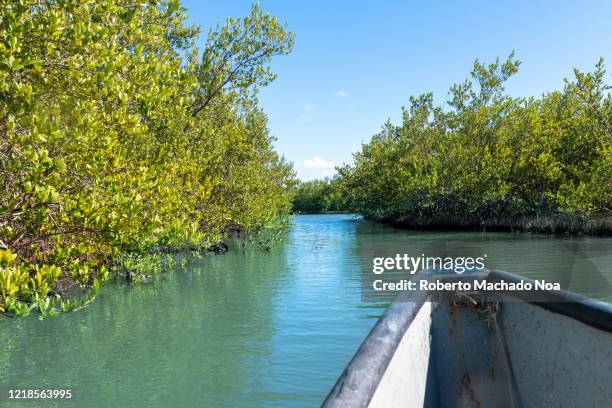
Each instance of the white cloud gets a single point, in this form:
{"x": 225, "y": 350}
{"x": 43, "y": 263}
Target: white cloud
{"x": 341, "y": 93}
{"x": 309, "y": 107}
{"x": 318, "y": 163}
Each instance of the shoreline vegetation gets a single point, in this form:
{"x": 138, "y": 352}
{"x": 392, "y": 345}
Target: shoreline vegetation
{"x": 489, "y": 161}
{"x": 326, "y": 197}
{"x": 121, "y": 141}
{"x": 319, "y": 197}
{"x": 552, "y": 224}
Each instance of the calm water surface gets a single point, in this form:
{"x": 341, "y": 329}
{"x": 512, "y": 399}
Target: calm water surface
{"x": 253, "y": 328}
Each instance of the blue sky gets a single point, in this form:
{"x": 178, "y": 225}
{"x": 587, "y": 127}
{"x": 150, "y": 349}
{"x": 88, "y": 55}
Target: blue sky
{"x": 355, "y": 63}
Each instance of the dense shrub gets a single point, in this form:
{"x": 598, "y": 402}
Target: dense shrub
{"x": 491, "y": 159}
{"x": 318, "y": 196}
{"x": 117, "y": 135}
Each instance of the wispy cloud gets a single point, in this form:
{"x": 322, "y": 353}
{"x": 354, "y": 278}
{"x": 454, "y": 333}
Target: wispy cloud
{"x": 341, "y": 93}
{"x": 315, "y": 168}
{"x": 318, "y": 163}
{"x": 309, "y": 107}
{"x": 307, "y": 111}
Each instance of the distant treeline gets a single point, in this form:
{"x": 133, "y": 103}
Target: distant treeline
{"x": 117, "y": 136}
{"x": 319, "y": 196}
{"x": 492, "y": 161}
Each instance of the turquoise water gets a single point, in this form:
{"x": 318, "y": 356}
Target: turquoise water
{"x": 254, "y": 328}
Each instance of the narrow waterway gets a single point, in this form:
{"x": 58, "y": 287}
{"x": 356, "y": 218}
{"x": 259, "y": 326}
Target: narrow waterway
{"x": 256, "y": 328}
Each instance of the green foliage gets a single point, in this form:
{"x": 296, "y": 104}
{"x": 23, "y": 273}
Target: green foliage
{"x": 490, "y": 156}
{"x": 237, "y": 55}
{"x": 115, "y": 136}
{"x": 319, "y": 196}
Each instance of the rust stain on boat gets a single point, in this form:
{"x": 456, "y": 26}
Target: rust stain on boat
{"x": 468, "y": 391}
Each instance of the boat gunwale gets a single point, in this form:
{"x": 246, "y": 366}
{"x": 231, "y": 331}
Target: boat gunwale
{"x": 365, "y": 370}
{"x": 594, "y": 313}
